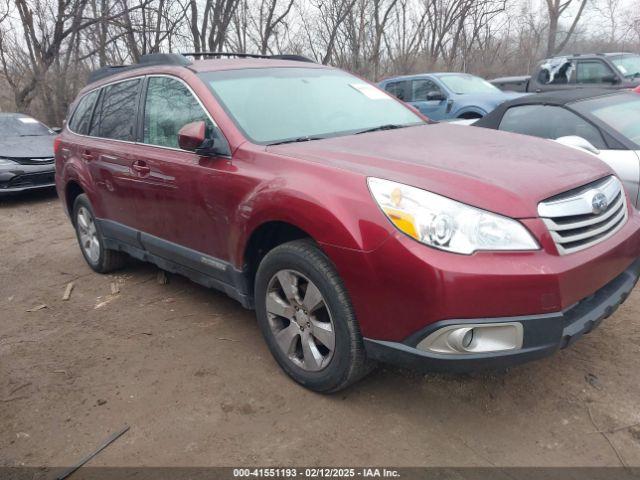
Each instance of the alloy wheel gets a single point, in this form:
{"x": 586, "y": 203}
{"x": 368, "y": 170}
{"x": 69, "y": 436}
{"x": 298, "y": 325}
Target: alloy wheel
{"x": 88, "y": 234}
{"x": 300, "y": 320}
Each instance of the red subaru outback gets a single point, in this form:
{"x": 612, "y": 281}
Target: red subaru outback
{"x": 358, "y": 230}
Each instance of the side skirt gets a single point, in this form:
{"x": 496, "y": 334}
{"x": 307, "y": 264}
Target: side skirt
{"x": 198, "y": 267}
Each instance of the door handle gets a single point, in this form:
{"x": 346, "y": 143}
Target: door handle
{"x": 140, "y": 167}
{"x": 87, "y": 155}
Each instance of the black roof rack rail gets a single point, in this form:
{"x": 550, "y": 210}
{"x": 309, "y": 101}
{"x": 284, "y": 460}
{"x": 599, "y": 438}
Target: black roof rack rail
{"x": 296, "y": 58}
{"x": 145, "y": 61}
{"x": 180, "y": 59}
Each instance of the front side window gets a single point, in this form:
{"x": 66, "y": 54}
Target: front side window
{"x": 422, "y": 87}
{"x": 620, "y": 111}
{"x": 116, "y": 118}
{"x": 547, "y": 121}
{"x": 272, "y": 105}
{"x": 593, "y": 72}
{"x": 169, "y": 106}
{"x": 465, "y": 84}
{"x": 79, "y": 123}
{"x": 401, "y": 90}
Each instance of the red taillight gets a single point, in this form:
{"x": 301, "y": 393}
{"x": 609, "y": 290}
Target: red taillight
{"x": 56, "y": 145}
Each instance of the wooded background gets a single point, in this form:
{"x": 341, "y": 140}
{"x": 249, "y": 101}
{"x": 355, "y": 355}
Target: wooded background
{"x": 48, "y": 47}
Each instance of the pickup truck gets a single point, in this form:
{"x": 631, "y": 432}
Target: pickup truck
{"x": 602, "y": 70}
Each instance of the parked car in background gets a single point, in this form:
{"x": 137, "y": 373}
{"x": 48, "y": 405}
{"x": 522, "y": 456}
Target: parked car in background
{"x": 604, "y": 123}
{"x": 358, "y": 231}
{"x": 26, "y": 154}
{"x": 442, "y": 96}
{"x": 603, "y": 70}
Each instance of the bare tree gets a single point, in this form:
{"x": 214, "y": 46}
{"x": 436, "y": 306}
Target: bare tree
{"x": 555, "y": 10}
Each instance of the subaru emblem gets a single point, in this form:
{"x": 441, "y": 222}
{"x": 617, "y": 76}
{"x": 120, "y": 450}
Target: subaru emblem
{"x": 599, "y": 203}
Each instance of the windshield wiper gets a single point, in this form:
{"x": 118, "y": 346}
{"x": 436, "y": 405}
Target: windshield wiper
{"x": 389, "y": 126}
{"x": 296, "y": 140}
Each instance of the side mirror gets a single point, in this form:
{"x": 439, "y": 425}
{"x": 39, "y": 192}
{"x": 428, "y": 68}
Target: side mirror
{"x": 578, "y": 142}
{"x": 435, "y": 96}
{"x": 193, "y": 138}
{"x": 56, "y": 129}
{"x": 610, "y": 79}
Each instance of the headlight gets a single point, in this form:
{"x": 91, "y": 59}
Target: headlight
{"x": 6, "y": 161}
{"x": 446, "y": 224}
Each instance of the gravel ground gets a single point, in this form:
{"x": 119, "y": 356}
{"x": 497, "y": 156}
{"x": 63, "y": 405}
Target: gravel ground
{"x": 186, "y": 368}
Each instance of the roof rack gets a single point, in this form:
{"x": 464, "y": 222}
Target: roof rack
{"x": 145, "y": 61}
{"x": 180, "y": 59}
{"x": 202, "y": 55}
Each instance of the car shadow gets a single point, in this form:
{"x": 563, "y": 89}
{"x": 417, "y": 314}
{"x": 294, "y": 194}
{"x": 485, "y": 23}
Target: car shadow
{"x": 29, "y": 197}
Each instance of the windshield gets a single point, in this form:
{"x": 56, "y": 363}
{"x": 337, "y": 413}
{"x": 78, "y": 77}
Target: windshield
{"x": 628, "y": 65}
{"x": 272, "y": 105}
{"x": 621, "y": 112}
{"x": 462, "y": 83}
{"x": 22, "y": 127}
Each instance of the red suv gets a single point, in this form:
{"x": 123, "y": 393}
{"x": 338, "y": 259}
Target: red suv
{"x": 358, "y": 230}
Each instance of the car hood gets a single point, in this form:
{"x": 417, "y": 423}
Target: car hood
{"x": 27, "y": 147}
{"x": 501, "y": 172}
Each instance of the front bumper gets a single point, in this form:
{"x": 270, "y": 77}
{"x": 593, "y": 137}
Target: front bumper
{"x": 543, "y": 334}
{"x": 20, "y": 178}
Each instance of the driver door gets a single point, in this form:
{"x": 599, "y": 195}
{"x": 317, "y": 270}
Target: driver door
{"x": 176, "y": 220}
{"x": 434, "y": 109}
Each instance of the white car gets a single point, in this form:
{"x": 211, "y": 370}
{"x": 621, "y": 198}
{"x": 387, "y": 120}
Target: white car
{"x": 604, "y": 123}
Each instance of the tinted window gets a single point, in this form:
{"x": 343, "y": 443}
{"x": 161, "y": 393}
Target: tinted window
{"x": 422, "y": 87}
{"x": 169, "y": 107}
{"x": 549, "y": 122}
{"x": 79, "y": 123}
{"x": 593, "y": 72}
{"x": 620, "y": 111}
{"x": 118, "y": 110}
{"x": 401, "y": 90}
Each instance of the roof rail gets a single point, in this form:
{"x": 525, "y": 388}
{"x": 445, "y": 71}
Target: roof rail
{"x": 145, "y": 61}
{"x": 202, "y": 55}
{"x": 180, "y": 59}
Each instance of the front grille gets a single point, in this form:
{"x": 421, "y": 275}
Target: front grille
{"x": 32, "y": 180}
{"x": 33, "y": 161}
{"x": 576, "y": 220}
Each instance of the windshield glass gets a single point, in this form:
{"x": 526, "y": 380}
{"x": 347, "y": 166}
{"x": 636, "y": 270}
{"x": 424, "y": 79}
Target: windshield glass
{"x": 621, "y": 112}
{"x": 272, "y": 105}
{"x": 629, "y": 65}
{"x": 22, "y": 127}
{"x": 459, "y": 83}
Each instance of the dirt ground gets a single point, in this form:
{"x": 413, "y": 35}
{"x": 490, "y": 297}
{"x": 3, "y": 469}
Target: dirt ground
{"x": 187, "y": 369}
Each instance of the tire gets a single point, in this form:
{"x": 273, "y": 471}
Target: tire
{"x": 91, "y": 241}
{"x": 297, "y": 323}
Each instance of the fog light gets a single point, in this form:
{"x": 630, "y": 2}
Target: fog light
{"x": 474, "y": 338}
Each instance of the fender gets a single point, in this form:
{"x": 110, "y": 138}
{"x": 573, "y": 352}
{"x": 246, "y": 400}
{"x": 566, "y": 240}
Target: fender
{"x": 327, "y": 219}
{"x": 74, "y": 170}
{"x": 469, "y": 109}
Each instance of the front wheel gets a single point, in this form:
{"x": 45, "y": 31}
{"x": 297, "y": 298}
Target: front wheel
{"x": 307, "y": 319}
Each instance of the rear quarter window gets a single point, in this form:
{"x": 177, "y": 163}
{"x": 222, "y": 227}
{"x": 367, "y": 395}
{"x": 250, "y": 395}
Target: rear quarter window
{"x": 81, "y": 118}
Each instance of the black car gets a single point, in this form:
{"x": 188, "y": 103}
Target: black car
{"x": 605, "y": 123}
{"x": 26, "y": 154}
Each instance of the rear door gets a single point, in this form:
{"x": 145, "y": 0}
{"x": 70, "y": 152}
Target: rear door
{"x": 110, "y": 157}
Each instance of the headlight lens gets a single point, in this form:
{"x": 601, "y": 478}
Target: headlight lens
{"x": 446, "y": 224}
{"x": 6, "y": 161}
